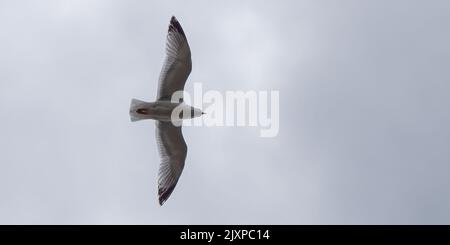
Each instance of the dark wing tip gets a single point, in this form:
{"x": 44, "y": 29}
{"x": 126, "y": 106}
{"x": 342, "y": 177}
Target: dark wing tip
{"x": 164, "y": 194}
{"x": 175, "y": 26}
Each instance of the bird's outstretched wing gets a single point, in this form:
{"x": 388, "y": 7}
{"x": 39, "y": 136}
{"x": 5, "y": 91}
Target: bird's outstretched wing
{"x": 177, "y": 65}
{"x": 172, "y": 149}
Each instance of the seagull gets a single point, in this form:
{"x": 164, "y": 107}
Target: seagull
{"x": 169, "y": 138}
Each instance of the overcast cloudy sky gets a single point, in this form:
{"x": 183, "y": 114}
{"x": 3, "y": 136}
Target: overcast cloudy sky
{"x": 364, "y": 112}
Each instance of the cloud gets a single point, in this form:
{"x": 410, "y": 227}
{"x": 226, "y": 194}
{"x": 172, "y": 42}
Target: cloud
{"x": 363, "y": 127}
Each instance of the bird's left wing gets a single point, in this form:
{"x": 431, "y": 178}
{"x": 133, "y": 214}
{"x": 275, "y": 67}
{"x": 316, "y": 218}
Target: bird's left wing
{"x": 172, "y": 149}
{"x": 178, "y": 64}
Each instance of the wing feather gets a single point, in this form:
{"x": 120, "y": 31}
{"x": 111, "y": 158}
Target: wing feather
{"x": 177, "y": 65}
{"x": 173, "y": 150}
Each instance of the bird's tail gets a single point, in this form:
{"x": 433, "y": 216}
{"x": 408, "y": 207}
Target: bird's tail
{"x": 135, "y": 105}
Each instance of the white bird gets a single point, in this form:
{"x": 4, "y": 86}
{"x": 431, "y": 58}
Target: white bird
{"x": 171, "y": 145}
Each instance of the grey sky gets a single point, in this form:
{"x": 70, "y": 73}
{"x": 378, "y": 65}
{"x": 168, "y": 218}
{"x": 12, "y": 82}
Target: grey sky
{"x": 364, "y": 118}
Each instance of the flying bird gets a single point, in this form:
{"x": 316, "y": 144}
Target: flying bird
{"x": 171, "y": 145}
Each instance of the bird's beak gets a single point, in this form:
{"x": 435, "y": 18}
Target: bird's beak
{"x": 203, "y": 113}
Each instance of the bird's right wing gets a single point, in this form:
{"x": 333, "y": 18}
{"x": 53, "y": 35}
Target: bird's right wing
{"x": 178, "y": 64}
{"x": 172, "y": 149}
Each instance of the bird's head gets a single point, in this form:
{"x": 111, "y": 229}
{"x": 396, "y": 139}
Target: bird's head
{"x": 195, "y": 112}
